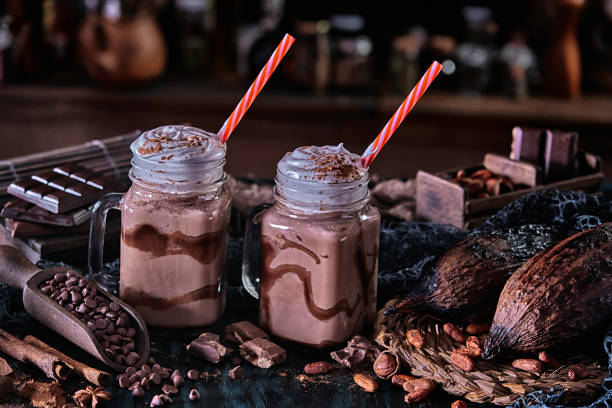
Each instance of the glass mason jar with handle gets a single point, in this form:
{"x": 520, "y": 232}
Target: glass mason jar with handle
{"x": 174, "y": 228}
{"x": 312, "y": 257}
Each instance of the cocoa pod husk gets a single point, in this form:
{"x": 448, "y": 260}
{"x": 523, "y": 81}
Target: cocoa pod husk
{"x": 556, "y": 296}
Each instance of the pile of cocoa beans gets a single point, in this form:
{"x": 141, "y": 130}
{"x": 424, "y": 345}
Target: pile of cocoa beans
{"x": 483, "y": 183}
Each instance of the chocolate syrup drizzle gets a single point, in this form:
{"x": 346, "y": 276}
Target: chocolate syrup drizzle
{"x": 269, "y": 275}
{"x": 139, "y": 298}
{"x": 203, "y": 248}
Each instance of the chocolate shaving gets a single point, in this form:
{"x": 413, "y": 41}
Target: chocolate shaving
{"x": 359, "y": 352}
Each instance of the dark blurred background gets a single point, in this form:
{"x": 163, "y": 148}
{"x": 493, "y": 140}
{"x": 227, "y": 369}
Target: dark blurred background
{"x": 76, "y": 70}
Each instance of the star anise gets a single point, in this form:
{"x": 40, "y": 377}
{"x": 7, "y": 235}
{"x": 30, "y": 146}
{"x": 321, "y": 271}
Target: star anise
{"x": 91, "y": 397}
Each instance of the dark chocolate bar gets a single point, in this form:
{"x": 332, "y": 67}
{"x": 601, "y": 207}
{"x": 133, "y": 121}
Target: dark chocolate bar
{"x": 65, "y": 188}
{"x": 262, "y": 353}
{"x": 21, "y": 210}
{"x": 527, "y": 145}
{"x": 560, "y": 155}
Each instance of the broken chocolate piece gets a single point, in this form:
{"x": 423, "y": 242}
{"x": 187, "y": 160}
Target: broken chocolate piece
{"x": 262, "y": 353}
{"x": 241, "y": 332}
{"x": 560, "y": 155}
{"x": 208, "y": 347}
{"x": 359, "y": 352}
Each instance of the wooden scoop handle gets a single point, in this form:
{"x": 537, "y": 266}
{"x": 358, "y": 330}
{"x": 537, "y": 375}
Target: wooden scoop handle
{"x": 15, "y": 268}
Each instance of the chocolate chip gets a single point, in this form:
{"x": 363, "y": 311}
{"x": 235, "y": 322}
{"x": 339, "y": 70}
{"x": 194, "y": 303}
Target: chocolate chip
{"x": 193, "y": 374}
{"x": 169, "y": 389}
{"x": 156, "y": 401}
{"x": 138, "y": 392}
{"x": 47, "y": 290}
{"x": 102, "y": 309}
{"x": 131, "y": 332}
{"x": 123, "y": 380}
{"x": 136, "y": 377}
{"x": 177, "y": 380}
{"x": 76, "y": 297}
{"x": 146, "y": 369}
{"x": 155, "y": 378}
{"x": 82, "y": 309}
{"x": 130, "y": 371}
{"x": 110, "y": 328}
{"x": 120, "y": 359}
{"x": 60, "y": 277}
{"x": 164, "y": 373}
{"x": 90, "y": 302}
{"x": 71, "y": 282}
{"x": 82, "y": 283}
{"x": 101, "y": 323}
{"x": 121, "y": 322}
{"x": 65, "y": 297}
{"x": 121, "y": 331}
{"x": 175, "y": 373}
{"x": 151, "y": 361}
{"x": 194, "y": 395}
{"x": 114, "y": 338}
{"x": 144, "y": 383}
{"x": 156, "y": 367}
{"x": 132, "y": 358}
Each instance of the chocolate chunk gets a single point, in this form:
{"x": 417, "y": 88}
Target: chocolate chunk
{"x": 208, "y": 347}
{"x": 359, "y": 352}
{"x": 194, "y": 395}
{"x": 241, "y": 332}
{"x": 560, "y": 155}
{"x": 262, "y": 353}
{"x": 193, "y": 374}
{"x": 236, "y": 373}
{"x": 528, "y": 145}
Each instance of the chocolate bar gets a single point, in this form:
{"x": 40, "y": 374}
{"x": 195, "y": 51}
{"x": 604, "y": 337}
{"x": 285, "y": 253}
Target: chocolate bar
{"x": 560, "y": 155}
{"x": 208, "y": 347}
{"x": 21, "y": 210}
{"x": 25, "y": 229}
{"x": 64, "y": 188}
{"x": 527, "y": 145}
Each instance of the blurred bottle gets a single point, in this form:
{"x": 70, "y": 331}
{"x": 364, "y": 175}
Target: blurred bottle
{"x": 518, "y": 66}
{"x": 476, "y": 55}
{"x": 351, "y": 53}
{"x": 405, "y": 69}
{"x": 311, "y": 55}
{"x": 195, "y": 20}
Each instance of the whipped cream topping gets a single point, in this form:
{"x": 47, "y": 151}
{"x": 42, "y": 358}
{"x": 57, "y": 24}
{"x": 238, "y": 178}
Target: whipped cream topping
{"x": 180, "y": 158}
{"x": 320, "y": 179}
{"x": 323, "y": 164}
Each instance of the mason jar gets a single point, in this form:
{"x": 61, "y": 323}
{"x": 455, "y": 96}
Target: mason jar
{"x": 317, "y": 250}
{"x": 174, "y": 228}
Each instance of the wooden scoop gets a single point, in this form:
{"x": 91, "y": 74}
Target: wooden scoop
{"x": 16, "y": 270}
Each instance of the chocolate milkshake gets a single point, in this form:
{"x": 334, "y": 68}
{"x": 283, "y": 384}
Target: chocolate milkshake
{"x": 174, "y": 224}
{"x": 319, "y": 249}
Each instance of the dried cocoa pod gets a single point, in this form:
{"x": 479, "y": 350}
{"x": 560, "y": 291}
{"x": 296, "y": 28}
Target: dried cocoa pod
{"x": 577, "y": 372}
{"x": 366, "y": 382}
{"x": 476, "y": 329}
{"x": 416, "y": 396}
{"x": 400, "y": 379}
{"x": 318, "y": 367}
{"x": 458, "y": 404}
{"x": 558, "y": 295}
{"x": 462, "y": 361}
{"x": 419, "y": 384}
{"x": 386, "y": 364}
{"x": 548, "y": 360}
{"x": 466, "y": 280}
{"x": 454, "y": 332}
{"x": 416, "y": 338}
{"x": 528, "y": 364}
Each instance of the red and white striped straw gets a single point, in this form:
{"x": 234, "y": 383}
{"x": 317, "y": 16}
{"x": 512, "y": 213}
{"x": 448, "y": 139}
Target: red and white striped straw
{"x": 385, "y": 134}
{"x": 248, "y": 98}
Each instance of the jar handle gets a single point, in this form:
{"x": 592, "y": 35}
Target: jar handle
{"x": 251, "y": 254}
{"x": 97, "y": 232}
